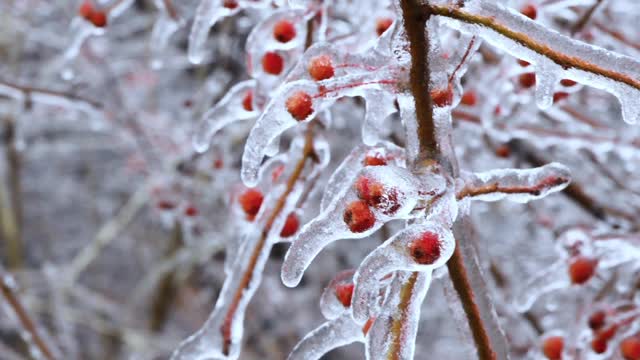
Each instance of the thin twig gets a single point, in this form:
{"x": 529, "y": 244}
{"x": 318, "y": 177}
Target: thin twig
{"x": 584, "y": 19}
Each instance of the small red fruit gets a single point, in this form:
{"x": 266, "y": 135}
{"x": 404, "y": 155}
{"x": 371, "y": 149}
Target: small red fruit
{"x": 630, "y": 348}
{"x": 527, "y": 80}
{"x": 581, "y": 269}
{"x": 272, "y": 63}
{"x": 469, "y": 98}
{"x": 567, "y": 82}
{"x": 597, "y": 320}
{"x": 230, "y": 4}
{"x": 559, "y": 96}
{"x": 85, "y": 10}
{"x": 290, "y": 225}
{"x": 374, "y": 160}
{"x": 247, "y": 101}
{"x": 299, "y": 105}
{"x": 369, "y": 190}
{"x": 284, "y": 31}
{"x": 425, "y": 250}
{"x": 599, "y": 346}
{"x": 358, "y": 217}
{"x": 503, "y": 151}
{"x": 191, "y": 211}
{"x": 98, "y": 18}
{"x": 382, "y": 25}
{"x": 442, "y": 97}
{"x": 344, "y": 293}
{"x": 529, "y": 11}
{"x": 321, "y": 68}
{"x": 552, "y": 347}
{"x": 251, "y": 201}
{"x": 523, "y": 63}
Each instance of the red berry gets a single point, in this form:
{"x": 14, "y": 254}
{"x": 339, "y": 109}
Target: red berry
{"x": 230, "y": 4}
{"x": 290, "y": 225}
{"x": 425, "y": 250}
{"x": 469, "y": 98}
{"x": 247, "y": 101}
{"x": 85, "y": 10}
{"x": 272, "y": 63}
{"x": 98, "y": 19}
{"x": 599, "y": 346}
{"x": 581, "y": 269}
{"x": 529, "y": 11}
{"x": 321, "y": 68}
{"x": 251, "y": 201}
{"x": 344, "y": 292}
{"x": 284, "y": 31}
{"x": 442, "y": 97}
{"x": 358, "y": 217}
{"x": 523, "y": 63}
{"x": 597, "y": 320}
{"x": 165, "y": 205}
{"x": 367, "y": 325}
{"x": 559, "y": 96}
{"x": 299, "y": 105}
{"x": 191, "y": 211}
{"x": 552, "y": 347}
{"x": 630, "y": 348}
{"x": 369, "y": 190}
{"x": 374, "y": 160}
{"x": 527, "y": 80}
{"x": 382, "y": 25}
{"x": 503, "y": 151}
{"x": 218, "y": 163}
{"x": 567, "y": 82}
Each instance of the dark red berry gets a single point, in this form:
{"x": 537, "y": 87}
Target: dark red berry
{"x": 272, "y": 63}
{"x": 344, "y": 293}
{"x": 299, "y": 105}
{"x": 529, "y": 11}
{"x": 581, "y": 269}
{"x": 425, "y": 249}
{"x": 469, "y": 98}
{"x": 552, "y": 347}
{"x": 251, "y": 201}
{"x": 382, "y": 25}
{"x": 358, "y": 217}
{"x": 527, "y": 80}
{"x": 247, "y": 101}
{"x": 290, "y": 225}
{"x": 284, "y": 31}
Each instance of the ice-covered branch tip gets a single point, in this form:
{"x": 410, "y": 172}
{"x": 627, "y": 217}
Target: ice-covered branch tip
{"x": 556, "y": 56}
{"x": 515, "y": 185}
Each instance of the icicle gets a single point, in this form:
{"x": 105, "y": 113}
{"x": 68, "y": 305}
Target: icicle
{"x": 207, "y": 14}
{"x": 328, "y": 336}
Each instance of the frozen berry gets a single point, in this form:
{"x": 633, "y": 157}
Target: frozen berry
{"x": 567, "y": 82}
{"x": 230, "y": 4}
{"x": 503, "y": 151}
{"x": 299, "y": 105}
{"x": 527, "y": 80}
{"x": 442, "y": 97}
{"x": 369, "y": 190}
{"x": 599, "y": 346}
{"x": 191, "y": 211}
{"x": 630, "y": 348}
{"x": 344, "y": 292}
{"x": 358, "y": 217}
{"x": 247, "y": 101}
{"x": 559, "y": 96}
{"x": 382, "y": 25}
{"x": 85, "y": 10}
{"x": 165, "y": 205}
{"x": 374, "y": 160}
{"x": 284, "y": 31}
{"x": 469, "y": 98}
{"x": 523, "y": 63}
{"x": 251, "y": 200}
{"x": 425, "y": 249}
{"x": 272, "y": 63}
{"x": 290, "y": 225}
{"x": 98, "y": 18}
{"x": 581, "y": 269}
{"x": 321, "y": 68}
{"x": 552, "y": 347}
{"x": 529, "y": 11}
{"x": 597, "y": 320}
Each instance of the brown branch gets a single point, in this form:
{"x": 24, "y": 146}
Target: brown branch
{"x": 470, "y": 191}
{"x": 563, "y": 60}
{"x": 397, "y": 324}
{"x": 584, "y": 19}
{"x": 308, "y": 152}
{"x": 23, "y": 317}
{"x": 12, "y": 214}
{"x": 28, "y": 90}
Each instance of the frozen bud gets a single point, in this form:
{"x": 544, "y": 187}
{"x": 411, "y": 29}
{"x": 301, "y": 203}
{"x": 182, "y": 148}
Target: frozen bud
{"x": 299, "y": 105}
{"x": 358, "y": 217}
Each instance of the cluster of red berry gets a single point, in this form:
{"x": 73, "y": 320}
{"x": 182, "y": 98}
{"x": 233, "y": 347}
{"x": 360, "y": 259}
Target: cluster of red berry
{"x": 89, "y": 12}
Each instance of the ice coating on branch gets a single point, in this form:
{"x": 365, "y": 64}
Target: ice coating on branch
{"x": 164, "y": 26}
{"x": 599, "y": 68}
{"x": 515, "y": 184}
{"x": 386, "y": 339}
{"x": 279, "y": 115}
{"x": 80, "y": 31}
{"x": 231, "y": 108}
{"x": 330, "y": 305}
{"x": 379, "y": 105}
{"x": 392, "y": 193}
{"x": 346, "y": 173}
{"x": 419, "y": 247}
{"x": 328, "y": 336}
{"x": 549, "y": 279}
{"x": 547, "y": 76}
{"x": 208, "y": 13}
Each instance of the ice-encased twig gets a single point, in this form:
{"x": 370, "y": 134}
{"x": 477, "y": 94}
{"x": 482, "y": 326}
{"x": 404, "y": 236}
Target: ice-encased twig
{"x": 328, "y": 336}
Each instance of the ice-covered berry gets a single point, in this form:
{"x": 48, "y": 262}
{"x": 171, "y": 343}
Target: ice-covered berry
{"x": 284, "y": 31}
{"x": 442, "y": 97}
{"x": 344, "y": 293}
{"x": 425, "y": 249}
{"x": 299, "y": 105}
{"x": 98, "y": 18}
{"x": 85, "y": 9}
{"x": 291, "y": 225}
{"x": 374, "y": 160}
{"x": 382, "y": 25}
{"x": 272, "y": 63}
{"x": 321, "y": 68}
{"x": 597, "y": 320}
{"x": 529, "y": 11}
{"x": 358, "y": 217}
{"x": 230, "y": 4}
{"x": 527, "y": 80}
{"x": 552, "y": 347}
{"x": 581, "y": 269}
{"x": 251, "y": 201}
{"x": 630, "y": 348}
{"x": 247, "y": 101}
{"x": 469, "y": 98}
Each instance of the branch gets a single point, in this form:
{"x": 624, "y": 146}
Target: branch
{"x": 28, "y": 93}
{"x": 584, "y": 19}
